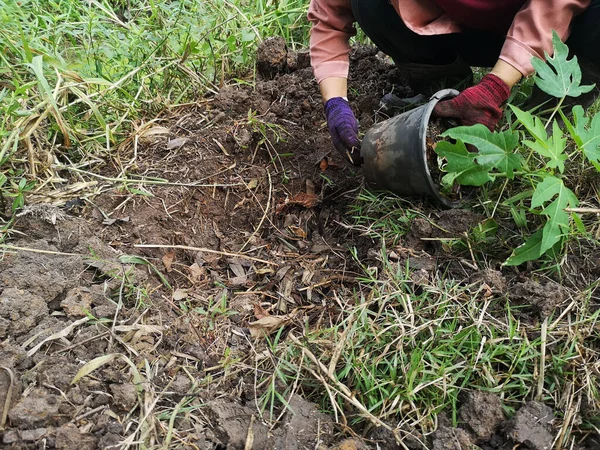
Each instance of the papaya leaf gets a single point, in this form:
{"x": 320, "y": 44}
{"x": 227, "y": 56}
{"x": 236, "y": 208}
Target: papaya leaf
{"x": 528, "y": 251}
{"x": 495, "y": 150}
{"x": 532, "y": 123}
{"x": 559, "y": 76}
{"x": 558, "y": 220}
{"x": 556, "y": 226}
{"x": 458, "y": 157}
{"x": 552, "y": 148}
{"x": 461, "y": 165}
{"x": 586, "y": 133}
{"x": 546, "y": 190}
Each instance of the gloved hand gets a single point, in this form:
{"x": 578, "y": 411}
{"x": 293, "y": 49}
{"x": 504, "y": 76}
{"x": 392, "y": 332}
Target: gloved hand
{"x": 343, "y": 128}
{"x": 482, "y": 103}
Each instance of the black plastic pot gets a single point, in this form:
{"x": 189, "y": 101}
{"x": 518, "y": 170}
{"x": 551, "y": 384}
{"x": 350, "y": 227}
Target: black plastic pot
{"x": 395, "y": 154}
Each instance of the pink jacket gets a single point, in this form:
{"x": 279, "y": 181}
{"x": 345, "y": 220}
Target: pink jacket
{"x": 530, "y": 33}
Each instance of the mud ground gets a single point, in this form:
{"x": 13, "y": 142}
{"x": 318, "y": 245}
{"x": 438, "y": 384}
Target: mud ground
{"x": 254, "y": 211}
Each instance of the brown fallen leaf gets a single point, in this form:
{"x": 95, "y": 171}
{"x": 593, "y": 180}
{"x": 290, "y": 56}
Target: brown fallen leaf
{"x": 167, "y": 260}
{"x": 324, "y": 164}
{"x": 298, "y": 232}
{"x": 267, "y": 325}
{"x": 260, "y": 312}
{"x": 197, "y": 273}
{"x": 301, "y": 198}
{"x": 180, "y": 294}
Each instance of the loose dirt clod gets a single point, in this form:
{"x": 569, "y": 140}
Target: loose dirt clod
{"x": 20, "y": 311}
{"x": 445, "y": 438}
{"x": 36, "y": 410}
{"x": 481, "y": 414}
{"x": 531, "y": 426}
{"x": 301, "y": 425}
{"x": 272, "y": 57}
{"x": 492, "y": 278}
{"x": 69, "y": 437}
{"x": 543, "y": 297}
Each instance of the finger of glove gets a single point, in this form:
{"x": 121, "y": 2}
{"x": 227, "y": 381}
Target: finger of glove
{"x": 337, "y": 142}
{"x": 349, "y": 136}
{"x": 447, "y": 109}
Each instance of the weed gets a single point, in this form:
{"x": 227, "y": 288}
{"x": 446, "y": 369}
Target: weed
{"x": 77, "y": 77}
{"x": 405, "y": 354}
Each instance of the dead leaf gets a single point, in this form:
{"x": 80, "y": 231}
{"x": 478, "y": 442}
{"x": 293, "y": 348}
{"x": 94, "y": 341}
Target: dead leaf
{"x": 110, "y": 221}
{"x": 298, "y": 232}
{"x": 167, "y": 260}
{"x": 197, "y": 272}
{"x": 180, "y": 294}
{"x": 324, "y": 164}
{"x": 150, "y": 132}
{"x": 302, "y": 199}
{"x": 237, "y": 281}
{"x": 267, "y": 325}
{"x": 237, "y": 270}
{"x": 260, "y": 312}
{"x": 176, "y": 143}
{"x": 253, "y": 183}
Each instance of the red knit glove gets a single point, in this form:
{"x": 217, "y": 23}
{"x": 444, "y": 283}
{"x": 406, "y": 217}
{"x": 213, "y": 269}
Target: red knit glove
{"x": 482, "y": 103}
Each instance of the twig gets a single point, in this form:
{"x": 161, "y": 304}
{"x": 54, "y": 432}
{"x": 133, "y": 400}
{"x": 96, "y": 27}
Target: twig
{"x": 544, "y": 338}
{"x": 8, "y": 398}
{"x": 86, "y": 341}
{"x": 35, "y": 250}
{"x": 583, "y": 210}
{"x": 250, "y": 436}
{"x": 265, "y": 213}
{"x": 207, "y": 250}
{"x": 91, "y": 412}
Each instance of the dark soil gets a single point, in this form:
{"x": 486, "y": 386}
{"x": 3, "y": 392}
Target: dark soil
{"x": 255, "y": 211}
{"x": 434, "y": 131}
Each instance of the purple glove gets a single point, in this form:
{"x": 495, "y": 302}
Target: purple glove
{"x": 343, "y": 128}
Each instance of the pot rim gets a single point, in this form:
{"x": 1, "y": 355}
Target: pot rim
{"x": 423, "y": 126}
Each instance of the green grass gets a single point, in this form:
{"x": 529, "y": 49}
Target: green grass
{"x": 77, "y": 78}
{"x": 405, "y": 353}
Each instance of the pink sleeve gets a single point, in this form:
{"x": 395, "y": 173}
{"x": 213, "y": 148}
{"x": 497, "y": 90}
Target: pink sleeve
{"x": 531, "y": 30}
{"x": 333, "y": 25}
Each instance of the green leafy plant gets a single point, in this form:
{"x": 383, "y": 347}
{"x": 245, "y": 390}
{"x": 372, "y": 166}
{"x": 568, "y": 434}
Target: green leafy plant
{"x": 531, "y": 155}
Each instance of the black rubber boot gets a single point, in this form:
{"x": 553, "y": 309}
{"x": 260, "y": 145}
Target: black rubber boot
{"x": 425, "y": 80}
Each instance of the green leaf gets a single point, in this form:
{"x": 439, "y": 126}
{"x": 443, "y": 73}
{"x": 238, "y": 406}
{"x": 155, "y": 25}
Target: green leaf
{"x": 132, "y": 259}
{"x": 579, "y": 224}
{"x": 528, "y": 251}
{"x": 546, "y": 190}
{"x": 496, "y": 150}
{"x": 559, "y": 76}
{"x": 585, "y": 134}
{"x": 532, "y": 123}
{"x": 556, "y": 226}
{"x": 461, "y": 165}
{"x": 558, "y": 219}
{"x": 552, "y": 148}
